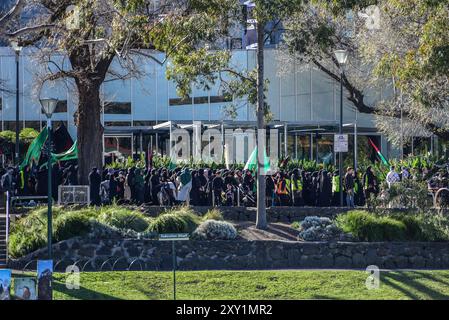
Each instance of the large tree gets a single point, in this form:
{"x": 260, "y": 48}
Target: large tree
{"x": 407, "y": 54}
{"x": 92, "y": 33}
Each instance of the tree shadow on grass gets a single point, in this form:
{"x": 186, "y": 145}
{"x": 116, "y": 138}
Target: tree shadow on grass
{"x": 429, "y": 276}
{"x": 402, "y": 278}
{"x": 82, "y": 293}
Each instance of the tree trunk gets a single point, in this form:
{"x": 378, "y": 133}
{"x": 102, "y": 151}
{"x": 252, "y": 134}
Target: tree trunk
{"x": 261, "y": 220}
{"x": 89, "y": 130}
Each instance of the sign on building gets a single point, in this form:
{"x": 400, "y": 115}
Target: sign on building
{"x": 341, "y": 143}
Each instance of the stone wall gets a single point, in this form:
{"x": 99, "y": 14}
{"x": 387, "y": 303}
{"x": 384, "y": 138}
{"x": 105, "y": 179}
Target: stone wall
{"x": 241, "y": 255}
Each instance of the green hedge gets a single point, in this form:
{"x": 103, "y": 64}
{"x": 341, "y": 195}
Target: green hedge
{"x": 124, "y": 219}
{"x": 177, "y": 220}
{"x": 69, "y": 225}
{"x": 368, "y": 227}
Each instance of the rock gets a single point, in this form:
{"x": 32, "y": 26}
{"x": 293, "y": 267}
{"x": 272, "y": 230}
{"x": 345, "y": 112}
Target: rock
{"x": 103, "y": 251}
{"x": 343, "y": 262}
{"x": 358, "y": 260}
{"x": 275, "y": 253}
{"x": 293, "y": 256}
{"x": 417, "y": 262}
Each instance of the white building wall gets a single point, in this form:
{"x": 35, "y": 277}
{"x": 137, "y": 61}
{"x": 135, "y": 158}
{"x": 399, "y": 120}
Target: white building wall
{"x": 307, "y": 96}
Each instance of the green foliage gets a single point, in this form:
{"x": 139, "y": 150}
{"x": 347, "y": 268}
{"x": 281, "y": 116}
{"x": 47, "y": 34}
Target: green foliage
{"x": 410, "y": 194}
{"x": 124, "y": 219}
{"x": 296, "y": 225}
{"x": 213, "y": 214}
{"x": 8, "y": 135}
{"x": 28, "y": 134}
{"x": 22, "y": 242}
{"x": 69, "y": 225}
{"x": 176, "y": 220}
{"x": 368, "y": 227}
{"x": 30, "y": 232}
{"x": 395, "y": 226}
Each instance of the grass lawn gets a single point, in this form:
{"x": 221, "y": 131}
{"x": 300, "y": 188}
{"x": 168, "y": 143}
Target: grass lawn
{"x": 260, "y": 285}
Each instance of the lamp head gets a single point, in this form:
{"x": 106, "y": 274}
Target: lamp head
{"x": 341, "y": 56}
{"x": 48, "y": 106}
{"x": 15, "y": 45}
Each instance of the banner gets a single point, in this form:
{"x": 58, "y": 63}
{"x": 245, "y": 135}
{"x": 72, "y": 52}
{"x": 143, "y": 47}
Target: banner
{"x": 25, "y": 288}
{"x": 34, "y": 150}
{"x": 251, "y": 164}
{"x": 5, "y": 284}
{"x": 44, "y": 279}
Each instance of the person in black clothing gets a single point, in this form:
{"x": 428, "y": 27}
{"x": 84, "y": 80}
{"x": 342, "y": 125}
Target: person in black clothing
{"x": 130, "y": 183}
{"x": 325, "y": 190}
{"x": 370, "y": 184}
{"x": 218, "y": 187}
{"x": 94, "y": 185}
{"x": 155, "y": 186}
{"x": 248, "y": 182}
{"x": 349, "y": 184}
{"x": 42, "y": 182}
{"x": 269, "y": 190}
{"x": 195, "y": 191}
{"x": 203, "y": 186}
{"x": 112, "y": 188}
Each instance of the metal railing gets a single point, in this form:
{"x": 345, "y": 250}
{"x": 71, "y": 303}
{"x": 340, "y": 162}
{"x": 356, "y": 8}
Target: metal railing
{"x": 7, "y": 226}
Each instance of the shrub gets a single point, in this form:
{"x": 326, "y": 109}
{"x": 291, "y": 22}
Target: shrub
{"x": 434, "y": 226}
{"x": 321, "y": 229}
{"x": 169, "y": 223}
{"x": 124, "y": 219}
{"x": 215, "y": 230}
{"x": 368, "y": 227}
{"x": 181, "y": 219}
{"x": 71, "y": 224}
{"x": 296, "y": 225}
{"x": 413, "y": 225}
{"x": 23, "y": 241}
{"x": 213, "y": 214}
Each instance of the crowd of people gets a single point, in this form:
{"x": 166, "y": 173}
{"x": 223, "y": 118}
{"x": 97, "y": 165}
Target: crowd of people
{"x": 212, "y": 187}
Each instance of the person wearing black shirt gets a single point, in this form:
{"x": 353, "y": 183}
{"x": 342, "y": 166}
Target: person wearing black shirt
{"x": 217, "y": 186}
{"x": 94, "y": 186}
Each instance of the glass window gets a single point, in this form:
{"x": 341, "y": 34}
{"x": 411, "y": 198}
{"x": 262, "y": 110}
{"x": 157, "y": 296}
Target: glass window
{"x": 179, "y": 101}
{"x": 303, "y": 147}
{"x": 218, "y": 99}
{"x": 200, "y": 100}
{"x": 326, "y": 149}
{"x": 61, "y": 107}
{"x": 117, "y": 123}
{"x": 11, "y": 125}
{"x": 120, "y": 146}
{"x": 140, "y": 123}
{"x": 33, "y": 124}
{"x": 117, "y": 107}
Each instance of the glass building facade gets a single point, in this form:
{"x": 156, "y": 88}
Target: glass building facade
{"x": 304, "y": 104}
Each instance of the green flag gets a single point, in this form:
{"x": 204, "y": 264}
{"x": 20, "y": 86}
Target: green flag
{"x": 34, "y": 150}
{"x": 251, "y": 164}
{"x": 71, "y": 154}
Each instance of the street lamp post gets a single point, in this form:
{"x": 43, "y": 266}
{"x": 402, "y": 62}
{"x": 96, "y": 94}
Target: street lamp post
{"x": 341, "y": 56}
{"x": 48, "y": 107}
{"x": 17, "y": 49}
